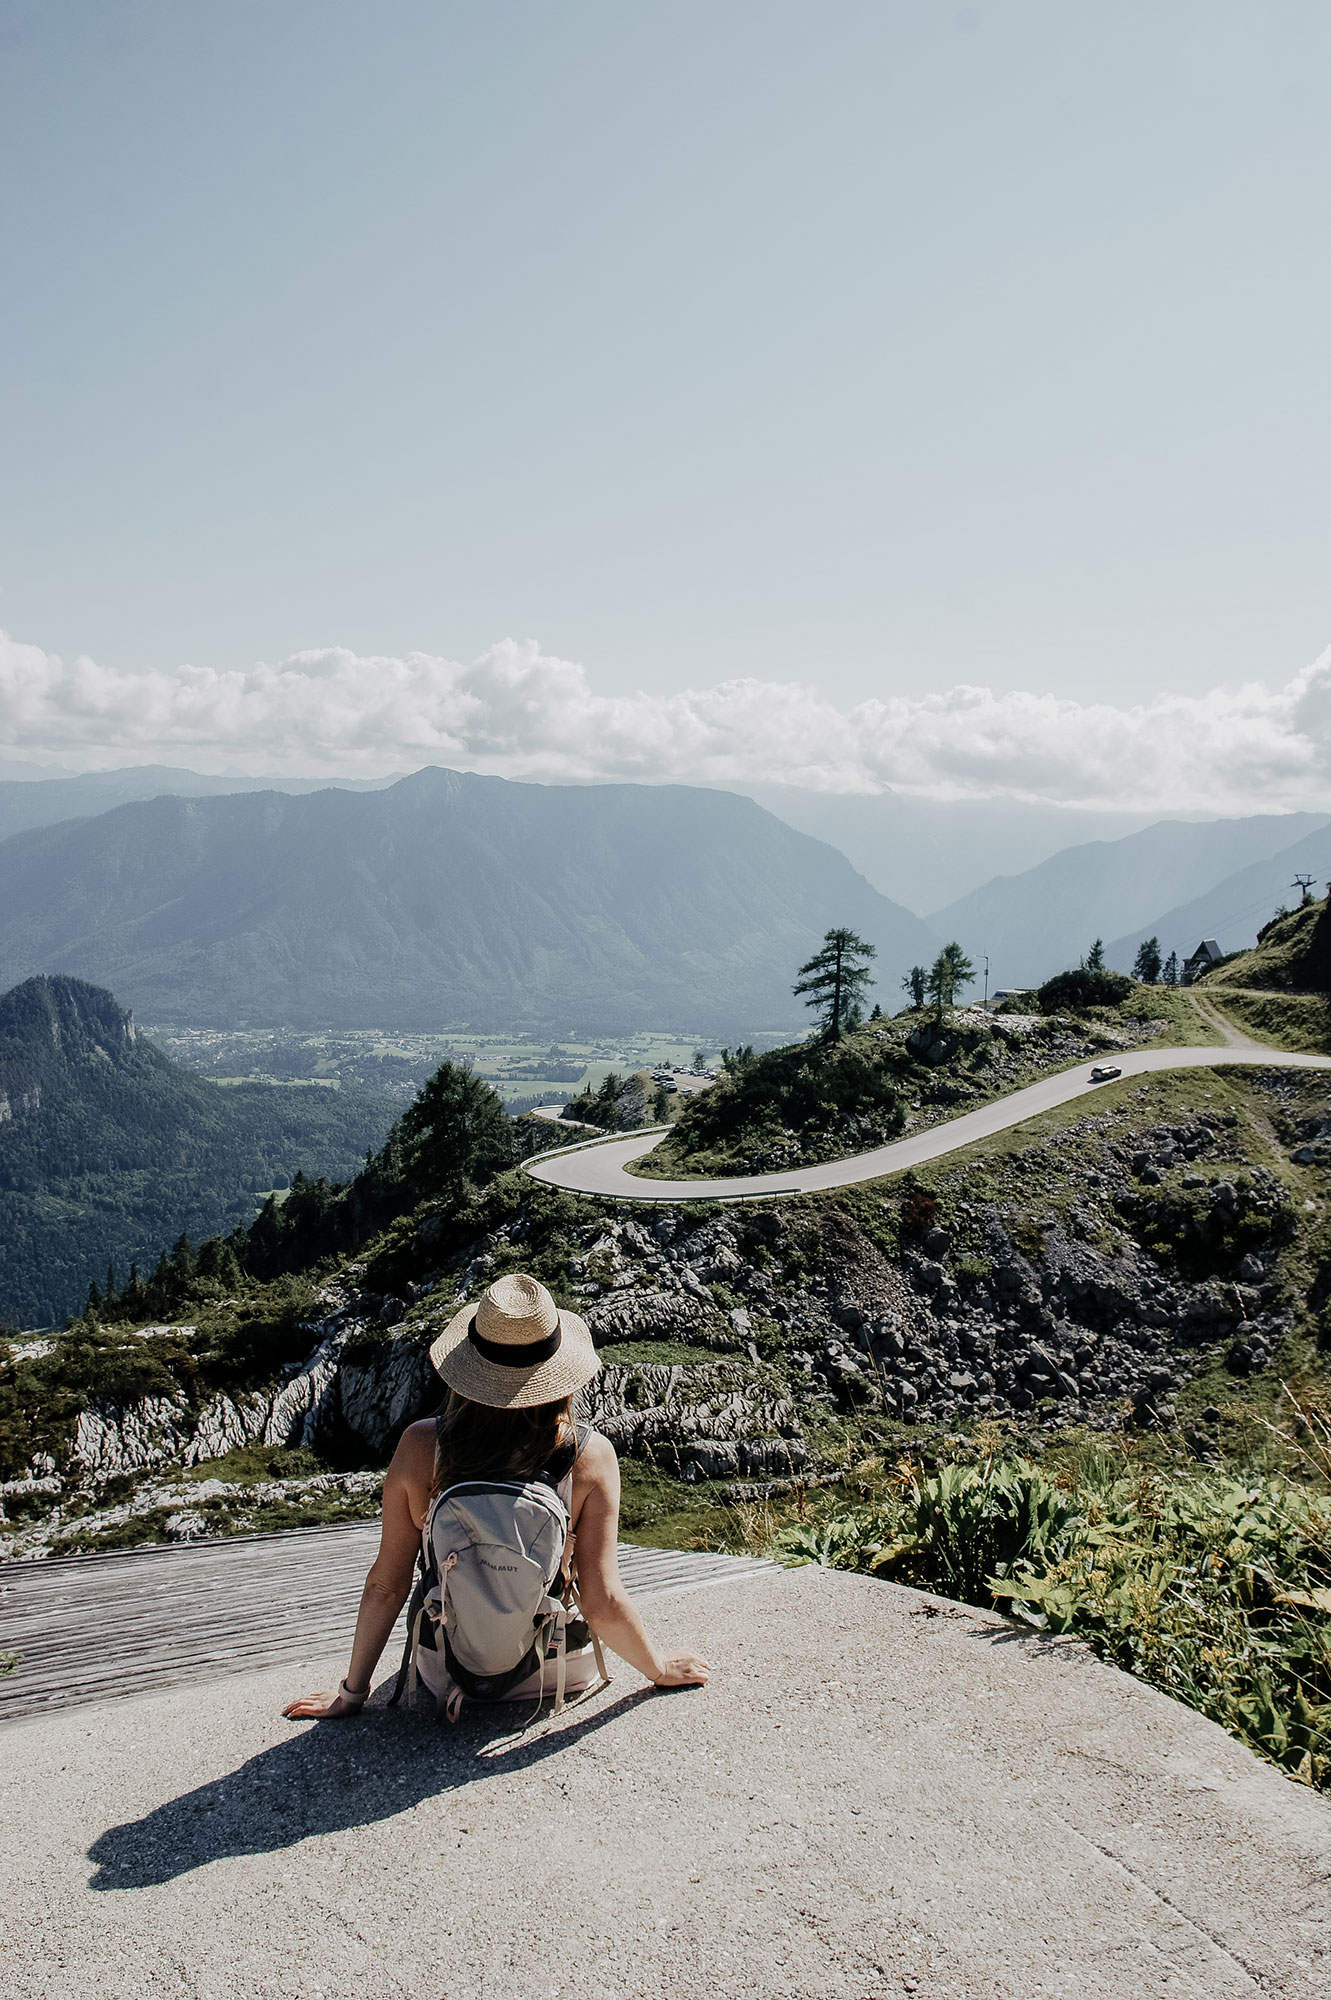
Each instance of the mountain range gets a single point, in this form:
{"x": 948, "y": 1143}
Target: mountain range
{"x": 108, "y": 1149}
{"x": 442, "y": 898}
{"x": 45, "y": 801}
{"x": 930, "y": 853}
{"x": 1232, "y": 910}
{"x": 1176, "y": 880}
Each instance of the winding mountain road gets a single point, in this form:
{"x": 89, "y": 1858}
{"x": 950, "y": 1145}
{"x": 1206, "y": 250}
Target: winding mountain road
{"x": 598, "y": 1167}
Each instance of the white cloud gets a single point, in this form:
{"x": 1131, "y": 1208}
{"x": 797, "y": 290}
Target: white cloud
{"x": 520, "y": 713}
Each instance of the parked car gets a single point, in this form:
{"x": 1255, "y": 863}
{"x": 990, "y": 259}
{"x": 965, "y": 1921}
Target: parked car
{"x": 1104, "y": 1073}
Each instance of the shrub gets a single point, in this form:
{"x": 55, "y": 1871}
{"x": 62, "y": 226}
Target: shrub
{"x": 1081, "y": 987}
{"x": 1214, "y": 1588}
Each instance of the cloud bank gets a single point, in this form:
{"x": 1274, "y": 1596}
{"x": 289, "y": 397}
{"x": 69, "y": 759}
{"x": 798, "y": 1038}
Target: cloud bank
{"x": 519, "y": 713}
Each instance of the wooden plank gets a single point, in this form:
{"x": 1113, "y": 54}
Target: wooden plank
{"x": 91, "y": 1628}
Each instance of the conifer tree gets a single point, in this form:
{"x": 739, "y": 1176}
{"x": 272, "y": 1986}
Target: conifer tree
{"x": 1146, "y": 965}
{"x": 833, "y": 981}
{"x": 456, "y": 1130}
{"x": 950, "y": 971}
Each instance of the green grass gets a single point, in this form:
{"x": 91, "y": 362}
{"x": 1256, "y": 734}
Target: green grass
{"x": 259, "y": 1463}
{"x": 1300, "y": 1021}
{"x": 746, "y": 1114}
{"x": 1292, "y": 954}
{"x": 983, "y": 1171}
{"x": 657, "y": 1511}
{"x": 655, "y": 1353}
{"x": 1184, "y": 1026}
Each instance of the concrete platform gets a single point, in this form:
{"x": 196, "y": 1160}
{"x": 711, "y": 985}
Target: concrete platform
{"x": 877, "y": 1794}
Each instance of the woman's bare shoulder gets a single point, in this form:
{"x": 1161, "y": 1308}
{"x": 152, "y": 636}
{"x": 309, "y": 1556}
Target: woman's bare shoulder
{"x": 415, "y": 1450}
{"x": 598, "y": 1460}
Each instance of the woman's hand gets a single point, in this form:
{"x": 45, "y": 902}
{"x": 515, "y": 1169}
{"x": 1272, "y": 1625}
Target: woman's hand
{"x": 685, "y": 1670}
{"x": 325, "y": 1707}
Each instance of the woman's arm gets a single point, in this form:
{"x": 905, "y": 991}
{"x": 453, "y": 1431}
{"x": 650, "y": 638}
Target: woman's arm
{"x": 606, "y": 1605}
{"x": 388, "y": 1585}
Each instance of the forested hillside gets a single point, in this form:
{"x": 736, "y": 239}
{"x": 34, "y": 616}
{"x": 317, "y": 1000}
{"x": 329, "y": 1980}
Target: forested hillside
{"x": 109, "y": 1151}
{"x": 444, "y": 898}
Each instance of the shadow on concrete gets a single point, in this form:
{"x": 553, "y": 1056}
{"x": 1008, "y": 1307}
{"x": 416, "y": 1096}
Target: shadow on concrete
{"x": 333, "y": 1777}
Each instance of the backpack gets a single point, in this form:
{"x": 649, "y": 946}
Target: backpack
{"x": 495, "y": 1589}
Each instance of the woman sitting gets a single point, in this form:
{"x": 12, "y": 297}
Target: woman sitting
{"x": 513, "y": 1364}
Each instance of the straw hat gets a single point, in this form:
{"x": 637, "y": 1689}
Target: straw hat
{"x": 515, "y": 1347}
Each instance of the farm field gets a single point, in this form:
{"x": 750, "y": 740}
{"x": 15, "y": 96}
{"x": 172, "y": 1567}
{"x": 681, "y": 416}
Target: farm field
{"x": 525, "y": 1070}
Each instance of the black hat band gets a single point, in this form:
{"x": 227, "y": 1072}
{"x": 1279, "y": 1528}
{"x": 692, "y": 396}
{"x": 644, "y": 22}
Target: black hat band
{"x": 511, "y": 1354}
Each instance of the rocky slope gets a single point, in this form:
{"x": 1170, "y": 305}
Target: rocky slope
{"x": 1150, "y": 1264}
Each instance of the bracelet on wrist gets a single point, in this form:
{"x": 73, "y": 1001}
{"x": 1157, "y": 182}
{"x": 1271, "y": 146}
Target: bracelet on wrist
{"x": 353, "y": 1694}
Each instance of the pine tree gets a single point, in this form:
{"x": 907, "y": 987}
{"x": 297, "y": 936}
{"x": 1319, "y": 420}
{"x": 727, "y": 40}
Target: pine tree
{"x": 1146, "y": 965}
{"x": 456, "y": 1130}
{"x": 916, "y": 983}
{"x": 950, "y": 971}
{"x": 1171, "y": 969}
{"x": 832, "y": 983}
{"x": 1094, "y": 960}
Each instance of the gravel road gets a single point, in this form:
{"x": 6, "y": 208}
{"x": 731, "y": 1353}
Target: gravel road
{"x": 878, "y": 1794}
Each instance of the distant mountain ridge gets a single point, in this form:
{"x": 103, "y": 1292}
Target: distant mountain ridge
{"x": 930, "y": 853}
{"x": 1234, "y": 910}
{"x": 1036, "y": 923}
{"x": 109, "y": 1150}
{"x": 45, "y": 801}
{"x": 443, "y": 898}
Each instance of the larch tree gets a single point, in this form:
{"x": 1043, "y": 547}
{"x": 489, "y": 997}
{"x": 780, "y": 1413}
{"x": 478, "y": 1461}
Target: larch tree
{"x": 834, "y": 980}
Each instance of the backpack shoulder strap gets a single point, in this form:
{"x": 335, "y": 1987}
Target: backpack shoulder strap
{"x": 562, "y": 1461}
{"x": 415, "y": 1612}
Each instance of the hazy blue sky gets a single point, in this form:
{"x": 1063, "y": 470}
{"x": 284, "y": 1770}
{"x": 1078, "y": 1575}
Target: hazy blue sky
{"x": 881, "y": 346}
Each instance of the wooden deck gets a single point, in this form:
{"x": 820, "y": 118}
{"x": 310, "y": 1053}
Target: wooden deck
{"x": 89, "y": 1628}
